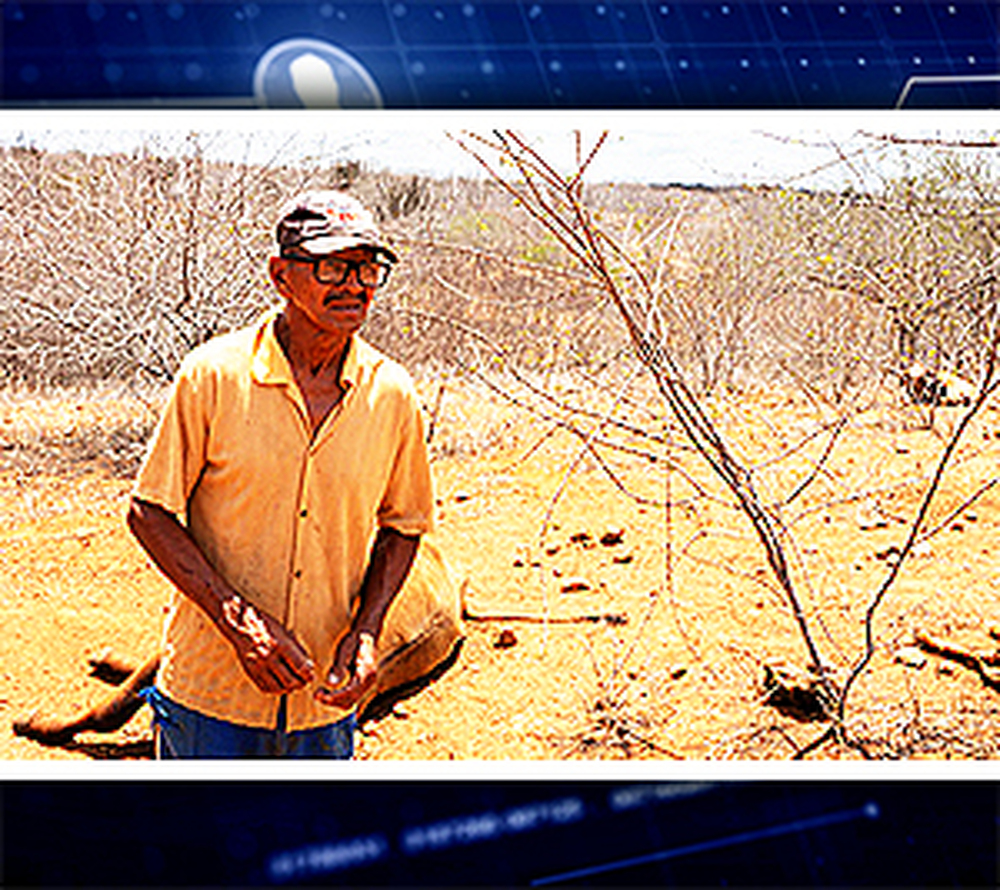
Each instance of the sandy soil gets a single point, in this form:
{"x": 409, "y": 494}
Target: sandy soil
{"x": 601, "y": 627}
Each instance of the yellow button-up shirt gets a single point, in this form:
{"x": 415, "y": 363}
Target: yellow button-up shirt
{"x": 287, "y": 517}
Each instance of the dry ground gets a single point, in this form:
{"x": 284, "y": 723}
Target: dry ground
{"x": 650, "y": 643}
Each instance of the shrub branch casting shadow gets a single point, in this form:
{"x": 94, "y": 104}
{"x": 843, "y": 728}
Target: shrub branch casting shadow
{"x": 557, "y": 203}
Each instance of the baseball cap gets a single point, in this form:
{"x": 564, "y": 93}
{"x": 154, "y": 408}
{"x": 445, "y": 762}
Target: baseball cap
{"x": 324, "y": 222}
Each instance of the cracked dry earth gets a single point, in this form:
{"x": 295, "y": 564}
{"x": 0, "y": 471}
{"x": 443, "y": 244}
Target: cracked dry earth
{"x": 599, "y": 626}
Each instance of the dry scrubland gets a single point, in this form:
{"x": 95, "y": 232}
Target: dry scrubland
{"x": 676, "y": 471}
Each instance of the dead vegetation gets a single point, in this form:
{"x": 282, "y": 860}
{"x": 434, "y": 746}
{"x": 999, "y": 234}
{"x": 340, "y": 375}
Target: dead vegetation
{"x": 727, "y": 362}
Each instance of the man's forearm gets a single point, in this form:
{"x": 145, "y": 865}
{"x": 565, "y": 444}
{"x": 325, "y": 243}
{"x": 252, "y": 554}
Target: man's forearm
{"x": 392, "y": 556}
{"x": 355, "y": 666}
{"x": 179, "y": 557}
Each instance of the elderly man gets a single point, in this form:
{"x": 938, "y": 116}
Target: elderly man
{"x": 294, "y": 453}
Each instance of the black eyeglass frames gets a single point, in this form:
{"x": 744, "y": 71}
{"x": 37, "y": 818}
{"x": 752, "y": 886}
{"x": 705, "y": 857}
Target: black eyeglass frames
{"x": 334, "y": 270}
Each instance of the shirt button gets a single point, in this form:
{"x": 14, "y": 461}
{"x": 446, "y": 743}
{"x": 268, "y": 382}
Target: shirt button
{"x": 297, "y": 573}
{"x": 303, "y": 513}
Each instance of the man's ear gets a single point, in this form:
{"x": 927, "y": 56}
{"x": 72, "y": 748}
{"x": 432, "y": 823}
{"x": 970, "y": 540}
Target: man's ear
{"x": 278, "y": 269}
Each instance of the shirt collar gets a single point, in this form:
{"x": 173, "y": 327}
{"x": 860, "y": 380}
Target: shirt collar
{"x": 270, "y": 365}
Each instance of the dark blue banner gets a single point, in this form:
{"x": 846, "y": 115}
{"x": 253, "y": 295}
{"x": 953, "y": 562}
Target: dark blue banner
{"x": 518, "y": 54}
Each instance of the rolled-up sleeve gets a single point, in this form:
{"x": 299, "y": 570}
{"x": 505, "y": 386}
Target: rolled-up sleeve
{"x": 408, "y": 503}
{"x": 176, "y": 455}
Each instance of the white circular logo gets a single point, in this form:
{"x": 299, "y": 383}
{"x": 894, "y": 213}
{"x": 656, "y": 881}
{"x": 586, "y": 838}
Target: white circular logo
{"x": 308, "y": 73}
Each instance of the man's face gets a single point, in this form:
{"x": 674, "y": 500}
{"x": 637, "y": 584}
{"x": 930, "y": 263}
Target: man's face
{"x": 333, "y": 304}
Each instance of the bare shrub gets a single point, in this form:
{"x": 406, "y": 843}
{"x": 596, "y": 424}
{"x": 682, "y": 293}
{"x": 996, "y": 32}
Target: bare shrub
{"x": 631, "y": 278}
{"x": 117, "y": 265}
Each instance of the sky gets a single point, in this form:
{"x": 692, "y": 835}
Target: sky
{"x": 793, "y": 148}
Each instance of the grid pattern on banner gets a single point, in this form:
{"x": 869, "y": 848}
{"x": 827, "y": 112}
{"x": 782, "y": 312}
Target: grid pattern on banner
{"x": 510, "y": 53}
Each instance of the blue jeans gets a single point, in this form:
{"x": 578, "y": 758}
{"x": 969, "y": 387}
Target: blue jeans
{"x": 184, "y": 734}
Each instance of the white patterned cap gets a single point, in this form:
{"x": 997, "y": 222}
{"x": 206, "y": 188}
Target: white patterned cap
{"x": 324, "y": 222}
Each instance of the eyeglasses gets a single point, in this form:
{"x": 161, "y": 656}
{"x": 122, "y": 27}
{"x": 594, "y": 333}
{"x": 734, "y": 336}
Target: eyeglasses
{"x": 334, "y": 270}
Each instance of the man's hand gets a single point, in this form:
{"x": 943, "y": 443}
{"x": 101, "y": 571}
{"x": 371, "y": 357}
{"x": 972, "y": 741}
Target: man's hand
{"x": 270, "y": 655}
{"x": 353, "y": 672}
{"x": 355, "y": 663}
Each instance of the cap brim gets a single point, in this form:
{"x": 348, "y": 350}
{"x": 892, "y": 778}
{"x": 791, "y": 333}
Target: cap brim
{"x": 335, "y": 243}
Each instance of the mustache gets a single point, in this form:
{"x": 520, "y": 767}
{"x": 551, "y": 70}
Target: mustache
{"x": 331, "y": 299}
